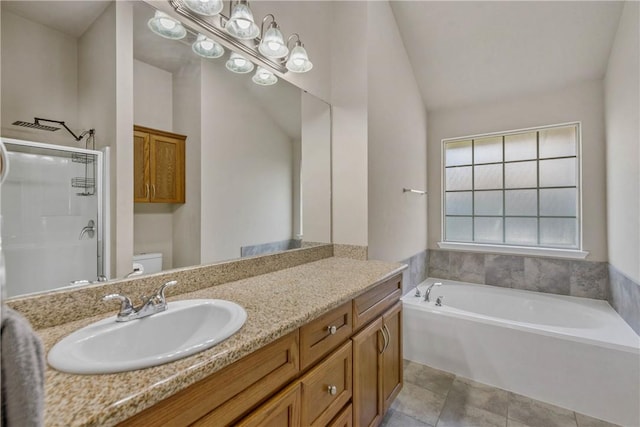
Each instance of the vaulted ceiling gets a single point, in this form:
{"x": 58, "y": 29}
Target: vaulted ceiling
{"x": 471, "y": 52}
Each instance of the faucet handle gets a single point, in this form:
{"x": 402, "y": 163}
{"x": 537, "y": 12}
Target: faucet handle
{"x": 126, "y": 307}
{"x": 159, "y": 295}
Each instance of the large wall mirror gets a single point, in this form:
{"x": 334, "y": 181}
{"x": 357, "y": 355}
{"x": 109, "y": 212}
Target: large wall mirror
{"x": 257, "y": 162}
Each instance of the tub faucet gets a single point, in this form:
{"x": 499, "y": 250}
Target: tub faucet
{"x": 151, "y": 305}
{"x": 428, "y": 291}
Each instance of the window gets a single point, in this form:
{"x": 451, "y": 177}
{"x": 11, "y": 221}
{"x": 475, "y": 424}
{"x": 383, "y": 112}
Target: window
{"x": 518, "y": 188}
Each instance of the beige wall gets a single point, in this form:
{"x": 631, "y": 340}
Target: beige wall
{"x": 623, "y": 153}
{"x": 582, "y": 102}
{"x": 246, "y": 170}
{"x": 106, "y": 103}
{"x": 31, "y": 89}
{"x": 348, "y": 30}
{"x": 397, "y": 131}
{"x": 153, "y": 107}
{"x": 152, "y": 96}
{"x": 187, "y": 121}
{"x": 316, "y": 170}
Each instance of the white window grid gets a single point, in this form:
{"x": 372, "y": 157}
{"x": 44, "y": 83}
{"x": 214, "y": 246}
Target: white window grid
{"x": 504, "y": 216}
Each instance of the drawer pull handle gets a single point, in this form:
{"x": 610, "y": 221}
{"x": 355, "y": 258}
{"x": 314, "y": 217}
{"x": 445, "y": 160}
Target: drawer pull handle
{"x": 387, "y": 337}
{"x": 333, "y": 390}
{"x": 332, "y": 330}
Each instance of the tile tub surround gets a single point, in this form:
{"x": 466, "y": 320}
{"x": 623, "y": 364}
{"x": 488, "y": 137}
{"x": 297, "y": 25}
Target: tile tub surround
{"x": 269, "y": 248}
{"x": 416, "y": 272}
{"x": 557, "y": 276}
{"x": 67, "y": 305}
{"x": 434, "y": 398}
{"x": 624, "y": 297}
{"x": 276, "y": 303}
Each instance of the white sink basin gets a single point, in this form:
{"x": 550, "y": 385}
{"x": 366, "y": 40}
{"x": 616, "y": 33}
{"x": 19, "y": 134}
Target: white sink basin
{"x": 185, "y": 328}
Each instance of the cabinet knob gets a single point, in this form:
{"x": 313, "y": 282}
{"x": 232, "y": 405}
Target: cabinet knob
{"x": 332, "y": 330}
{"x": 332, "y": 390}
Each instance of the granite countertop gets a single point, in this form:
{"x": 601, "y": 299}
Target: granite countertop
{"x": 276, "y": 304}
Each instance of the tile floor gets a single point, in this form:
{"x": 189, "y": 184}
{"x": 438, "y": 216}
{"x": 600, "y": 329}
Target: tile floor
{"x": 436, "y": 398}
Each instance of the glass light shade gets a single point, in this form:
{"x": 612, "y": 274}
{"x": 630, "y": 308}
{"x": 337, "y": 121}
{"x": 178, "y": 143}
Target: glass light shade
{"x": 240, "y": 24}
{"x": 298, "y": 61}
{"x": 264, "y": 77}
{"x": 239, "y": 64}
{"x": 206, "y": 47}
{"x": 272, "y": 44}
{"x": 167, "y": 27}
{"x": 205, "y": 7}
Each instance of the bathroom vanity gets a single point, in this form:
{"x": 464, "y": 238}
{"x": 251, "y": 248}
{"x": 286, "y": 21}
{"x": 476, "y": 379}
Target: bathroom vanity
{"x": 322, "y": 345}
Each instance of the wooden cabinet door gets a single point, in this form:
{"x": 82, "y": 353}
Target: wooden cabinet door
{"x": 392, "y": 363}
{"x": 368, "y": 406}
{"x": 141, "y": 186}
{"x": 283, "y": 410}
{"x": 167, "y": 169}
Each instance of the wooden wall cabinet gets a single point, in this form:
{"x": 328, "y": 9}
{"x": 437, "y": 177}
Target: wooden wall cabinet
{"x": 158, "y": 166}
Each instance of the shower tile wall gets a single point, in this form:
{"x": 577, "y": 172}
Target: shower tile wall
{"x": 565, "y": 277}
{"x": 624, "y": 296}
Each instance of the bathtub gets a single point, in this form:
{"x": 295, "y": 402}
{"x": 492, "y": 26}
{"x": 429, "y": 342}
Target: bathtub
{"x": 576, "y": 353}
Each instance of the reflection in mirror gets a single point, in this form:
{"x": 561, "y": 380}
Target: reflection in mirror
{"x": 255, "y": 155}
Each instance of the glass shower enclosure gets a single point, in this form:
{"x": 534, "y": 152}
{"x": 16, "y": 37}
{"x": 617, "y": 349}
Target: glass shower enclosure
{"x": 52, "y": 220}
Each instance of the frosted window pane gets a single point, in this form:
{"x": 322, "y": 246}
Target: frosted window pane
{"x": 558, "y": 142}
{"x": 488, "y": 202}
{"x": 458, "y": 203}
{"x": 521, "y": 146}
{"x": 558, "y": 172}
{"x": 521, "y": 231}
{"x": 520, "y": 175}
{"x": 558, "y": 202}
{"x": 488, "y": 230}
{"x": 521, "y": 202}
{"x": 459, "y": 178}
{"x": 458, "y": 229}
{"x": 561, "y": 232}
{"x": 487, "y": 150}
{"x": 458, "y": 153}
{"x": 488, "y": 177}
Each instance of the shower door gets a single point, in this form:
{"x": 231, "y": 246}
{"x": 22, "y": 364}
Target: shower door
{"x": 51, "y": 217}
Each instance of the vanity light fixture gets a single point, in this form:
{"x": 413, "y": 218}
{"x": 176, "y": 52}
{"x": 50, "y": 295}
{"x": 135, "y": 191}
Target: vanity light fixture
{"x": 264, "y": 77}
{"x": 272, "y": 44}
{"x": 239, "y": 64}
{"x": 298, "y": 61}
{"x": 206, "y": 47}
{"x": 167, "y": 27}
{"x": 240, "y": 24}
{"x": 240, "y": 33}
{"x": 205, "y": 7}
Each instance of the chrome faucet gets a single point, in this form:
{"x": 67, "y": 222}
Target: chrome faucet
{"x": 151, "y": 305}
{"x": 428, "y": 291}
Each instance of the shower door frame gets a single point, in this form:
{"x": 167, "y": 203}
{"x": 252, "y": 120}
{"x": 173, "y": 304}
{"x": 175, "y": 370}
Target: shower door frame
{"x": 103, "y": 245}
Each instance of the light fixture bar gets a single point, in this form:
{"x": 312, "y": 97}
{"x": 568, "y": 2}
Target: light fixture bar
{"x": 181, "y": 9}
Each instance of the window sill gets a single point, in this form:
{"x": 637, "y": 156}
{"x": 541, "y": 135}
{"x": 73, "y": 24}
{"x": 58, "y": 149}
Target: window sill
{"x": 514, "y": 250}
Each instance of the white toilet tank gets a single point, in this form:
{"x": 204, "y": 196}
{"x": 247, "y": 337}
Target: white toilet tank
{"x": 151, "y": 262}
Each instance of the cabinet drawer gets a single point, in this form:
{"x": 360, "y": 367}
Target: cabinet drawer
{"x": 374, "y": 302}
{"x": 325, "y": 333}
{"x": 283, "y": 410}
{"x": 327, "y": 388}
{"x": 232, "y": 391}
{"x": 344, "y": 418}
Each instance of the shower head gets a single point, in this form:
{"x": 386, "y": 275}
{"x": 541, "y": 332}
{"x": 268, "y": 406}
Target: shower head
{"x": 35, "y": 125}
